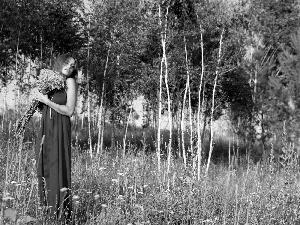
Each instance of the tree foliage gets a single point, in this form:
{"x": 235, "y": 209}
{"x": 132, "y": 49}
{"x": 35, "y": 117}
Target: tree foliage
{"x": 39, "y": 29}
{"x": 284, "y": 92}
{"x": 118, "y": 46}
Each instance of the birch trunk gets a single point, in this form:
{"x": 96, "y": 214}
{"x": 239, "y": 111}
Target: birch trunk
{"x": 159, "y": 102}
{"x": 88, "y": 90}
{"x": 200, "y": 107}
{"x": 159, "y": 119}
{"x": 178, "y": 119}
{"x": 89, "y": 124}
{"x": 189, "y": 96}
{"x": 213, "y": 103}
{"x": 102, "y": 131}
{"x": 17, "y": 52}
{"x": 165, "y": 62}
{"x": 41, "y": 37}
{"x": 124, "y": 139}
{"x": 113, "y": 139}
{"x": 100, "y": 126}
{"x": 114, "y": 111}
{"x": 182, "y": 127}
{"x": 17, "y": 108}
{"x": 183, "y": 103}
{"x": 191, "y": 120}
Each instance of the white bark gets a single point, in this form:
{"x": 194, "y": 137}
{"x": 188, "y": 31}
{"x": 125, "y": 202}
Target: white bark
{"x": 165, "y": 62}
{"x": 160, "y": 95}
{"x": 100, "y": 118}
{"x": 124, "y": 139}
{"x": 88, "y": 89}
{"x": 199, "y": 112}
{"x": 183, "y": 103}
{"x": 213, "y": 103}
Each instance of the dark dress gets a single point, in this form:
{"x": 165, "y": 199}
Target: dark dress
{"x": 53, "y": 155}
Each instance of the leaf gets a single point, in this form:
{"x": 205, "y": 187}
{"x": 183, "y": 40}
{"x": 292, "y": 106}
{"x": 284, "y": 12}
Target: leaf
{"x": 274, "y": 82}
{"x": 10, "y": 214}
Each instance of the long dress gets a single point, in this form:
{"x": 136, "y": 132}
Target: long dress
{"x": 53, "y": 157}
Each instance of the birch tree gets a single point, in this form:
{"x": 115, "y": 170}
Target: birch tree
{"x": 200, "y": 108}
{"x": 213, "y": 102}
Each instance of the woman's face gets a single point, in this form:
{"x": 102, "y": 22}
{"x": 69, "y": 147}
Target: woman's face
{"x": 68, "y": 68}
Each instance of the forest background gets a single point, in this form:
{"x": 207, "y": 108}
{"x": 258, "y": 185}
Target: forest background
{"x": 192, "y": 61}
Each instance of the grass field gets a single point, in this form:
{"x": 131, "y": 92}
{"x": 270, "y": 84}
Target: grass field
{"x": 110, "y": 189}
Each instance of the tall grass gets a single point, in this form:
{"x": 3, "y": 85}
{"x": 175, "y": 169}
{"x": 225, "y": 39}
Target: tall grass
{"x": 109, "y": 189}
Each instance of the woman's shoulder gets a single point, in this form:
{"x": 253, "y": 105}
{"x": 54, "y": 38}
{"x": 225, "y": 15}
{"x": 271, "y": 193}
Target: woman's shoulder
{"x": 71, "y": 84}
{"x": 71, "y": 80}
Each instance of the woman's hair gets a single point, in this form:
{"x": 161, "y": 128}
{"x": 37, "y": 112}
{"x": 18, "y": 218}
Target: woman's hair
{"x": 62, "y": 60}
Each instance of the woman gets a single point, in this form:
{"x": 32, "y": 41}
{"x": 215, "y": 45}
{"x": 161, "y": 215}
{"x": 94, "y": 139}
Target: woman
{"x": 53, "y": 146}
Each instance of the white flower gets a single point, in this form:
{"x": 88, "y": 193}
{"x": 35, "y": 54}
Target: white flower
{"x": 7, "y": 198}
{"x": 96, "y": 197}
{"x": 76, "y": 197}
{"x": 64, "y": 189}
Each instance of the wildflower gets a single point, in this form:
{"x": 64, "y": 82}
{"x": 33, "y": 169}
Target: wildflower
{"x": 64, "y": 189}
{"x": 75, "y": 197}
{"x": 103, "y": 205}
{"x": 96, "y": 197}
{"x": 48, "y": 81}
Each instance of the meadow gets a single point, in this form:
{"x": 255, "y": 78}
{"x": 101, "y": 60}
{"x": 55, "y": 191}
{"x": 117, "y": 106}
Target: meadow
{"x": 111, "y": 189}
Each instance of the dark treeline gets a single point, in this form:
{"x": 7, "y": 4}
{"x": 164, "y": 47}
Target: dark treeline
{"x": 119, "y": 47}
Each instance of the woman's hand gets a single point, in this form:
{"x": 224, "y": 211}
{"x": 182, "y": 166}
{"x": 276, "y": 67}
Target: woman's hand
{"x": 40, "y": 97}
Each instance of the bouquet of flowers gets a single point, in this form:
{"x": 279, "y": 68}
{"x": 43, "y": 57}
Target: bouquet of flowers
{"x": 48, "y": 81}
